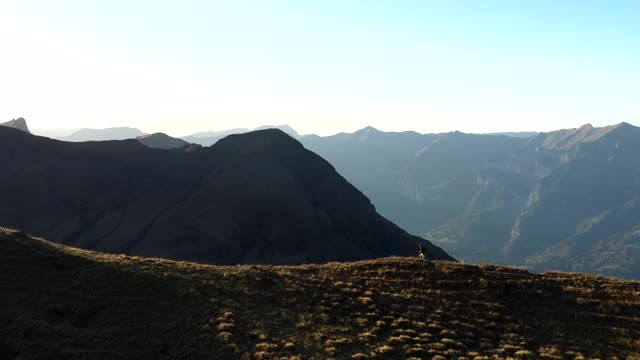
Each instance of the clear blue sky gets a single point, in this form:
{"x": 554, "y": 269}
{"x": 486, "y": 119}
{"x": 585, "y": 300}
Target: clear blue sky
{"x": 320, "y": 66}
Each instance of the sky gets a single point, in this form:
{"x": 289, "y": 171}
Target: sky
{"x": 320, "y": 66}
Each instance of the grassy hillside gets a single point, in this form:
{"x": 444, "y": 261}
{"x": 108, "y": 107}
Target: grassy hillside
{"x": 61, "y": 302}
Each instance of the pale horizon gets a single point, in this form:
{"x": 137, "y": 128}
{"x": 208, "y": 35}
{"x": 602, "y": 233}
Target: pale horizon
{"x": 322, "y": 68}
{"x": 68, "y": 131}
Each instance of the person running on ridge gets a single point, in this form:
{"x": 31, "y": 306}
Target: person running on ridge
{"x": 422, "y": 253}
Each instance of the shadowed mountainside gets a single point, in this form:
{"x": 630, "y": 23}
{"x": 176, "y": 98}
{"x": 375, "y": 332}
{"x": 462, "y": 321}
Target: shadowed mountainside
{"x": 61, "y": 302}
{"x": 161, "y": 141}
{"x": 259, "y": 197}
{"x": 209, "y": 138}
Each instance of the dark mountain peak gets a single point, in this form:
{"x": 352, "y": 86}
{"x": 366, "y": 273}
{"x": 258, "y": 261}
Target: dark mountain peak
{"x": 258, "y": 141}
{"x": 19, "y": 123}
{"x": 272, "y": 143}
{"x": 161, "y": 141}
{"x": 259, "y": 197}
{"x": 285, "y": 128}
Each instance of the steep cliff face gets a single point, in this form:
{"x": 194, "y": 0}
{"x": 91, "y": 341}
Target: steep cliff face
{"x": 519, "y": 201}
{"x": 587, "y": 214}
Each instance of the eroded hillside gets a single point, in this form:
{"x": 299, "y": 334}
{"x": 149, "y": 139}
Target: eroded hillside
{"x": 61, "y": 302}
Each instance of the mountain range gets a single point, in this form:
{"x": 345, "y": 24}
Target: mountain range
{"x": 564, "y": 200}
{"x": 116, "y": 133}
{"x": 258, "y": 197}
{"x": 209, "y": 138}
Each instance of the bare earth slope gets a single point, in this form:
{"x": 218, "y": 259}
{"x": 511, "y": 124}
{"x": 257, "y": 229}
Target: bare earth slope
{"x": 59, "y": 302}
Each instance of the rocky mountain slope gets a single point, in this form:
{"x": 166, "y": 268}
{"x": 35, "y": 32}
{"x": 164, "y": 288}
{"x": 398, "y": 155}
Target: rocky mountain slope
{"x": 259, "y": 197}
{"x": 62, "y": 302}
{"x": 563, "y": 200}
{"x": 19, "y": 123}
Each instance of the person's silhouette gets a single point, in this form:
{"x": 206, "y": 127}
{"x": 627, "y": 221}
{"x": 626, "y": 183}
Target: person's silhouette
{"x": 422, "y": 253}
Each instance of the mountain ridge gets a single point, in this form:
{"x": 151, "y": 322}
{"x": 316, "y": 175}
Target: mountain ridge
{"x": 119, "y": 307}
{"x": 466, "y": 192}
{"x": 259, "y": 197}
{"x": 161, "y": 141}
{"x": 115, "y": 133}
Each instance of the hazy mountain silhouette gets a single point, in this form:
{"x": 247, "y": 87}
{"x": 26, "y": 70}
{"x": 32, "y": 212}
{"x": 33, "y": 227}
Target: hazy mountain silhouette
{"x": 161, "y": 141}
{"x": 519, "y": 134}
{"x": 259, "y": 197}
{"x": 585, "y": 215}
{"x": 204, "y": 134}
{"x": 561, "y": 200}
{"x": 53, "y": 133}
{"x": 116, "y": 133}
{"x": 19, "y": 123}
{"x": 209, "y": 138}
{"x": 285, "y": 128}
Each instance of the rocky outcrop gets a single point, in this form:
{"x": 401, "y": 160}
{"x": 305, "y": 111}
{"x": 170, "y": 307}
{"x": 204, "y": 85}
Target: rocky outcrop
{"x": 19, "y": 123}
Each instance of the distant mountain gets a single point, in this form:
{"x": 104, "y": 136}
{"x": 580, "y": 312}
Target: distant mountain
{"x": 562, "y": 200}
{"x": 209, "y": 138}
{"x": 259, "y": 197}
{"x": 161, "y": 141}
{"x": 53, "y": 133}
{"x": 19, "y": 123}
{"x": 589, "y": 205}
{"x": 521, "y": 134}
{"x": 117, "y": 133}
{"x": 207, "y": 134}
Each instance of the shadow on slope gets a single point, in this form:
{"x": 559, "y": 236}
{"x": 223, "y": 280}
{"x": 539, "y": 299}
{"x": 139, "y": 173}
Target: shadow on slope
{"x": 61, "y": 302}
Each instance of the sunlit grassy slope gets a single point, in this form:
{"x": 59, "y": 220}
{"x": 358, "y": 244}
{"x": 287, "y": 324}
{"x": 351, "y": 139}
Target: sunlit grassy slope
{"x": 59, "y": 302}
